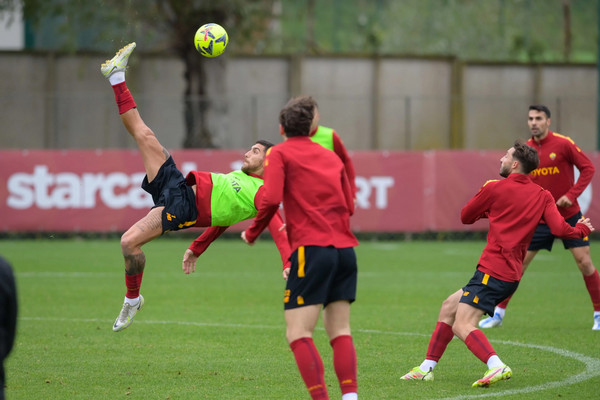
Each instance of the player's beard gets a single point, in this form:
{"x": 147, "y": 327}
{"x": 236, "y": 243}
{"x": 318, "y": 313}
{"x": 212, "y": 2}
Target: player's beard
{"x": 248, "y": 170}
{"x": 504, "y": 171}
{"x": 538, "y": 132}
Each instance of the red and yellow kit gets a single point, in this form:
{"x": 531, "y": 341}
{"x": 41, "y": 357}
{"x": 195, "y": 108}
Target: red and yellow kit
{"x": 558, "y": 154}
{"x": 514, "y": 207}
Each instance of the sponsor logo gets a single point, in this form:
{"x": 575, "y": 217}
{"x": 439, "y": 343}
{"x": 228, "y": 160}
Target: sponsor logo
{"x": 545, "y": 171}
{"x": 372, "y": 192}
{"x": 66, "y": 190}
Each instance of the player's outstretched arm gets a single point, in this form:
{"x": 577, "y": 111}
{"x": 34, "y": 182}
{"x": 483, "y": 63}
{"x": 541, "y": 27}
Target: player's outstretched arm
{"x": 199, "y": 246}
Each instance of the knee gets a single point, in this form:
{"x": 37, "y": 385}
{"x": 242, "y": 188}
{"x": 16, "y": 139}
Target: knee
{"x": 293, "y": 333}
{"x": 292, "y": 336}
{"x": 585, "y": 265}
{"x": 448, "y": 308}
{"x": 289, "y": 337}
{"x": 127, "y": 243}
{"x": 459, "y": 331}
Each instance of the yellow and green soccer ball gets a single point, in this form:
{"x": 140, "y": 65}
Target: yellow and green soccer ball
{"x": 210, "y": 40}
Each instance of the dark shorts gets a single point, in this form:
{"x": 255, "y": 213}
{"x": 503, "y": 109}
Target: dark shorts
{"x": 168, "y": 189}
{"x": 321, "y": 275}
{"x": 486, "y": 292}
{"x": 544, "y": 239}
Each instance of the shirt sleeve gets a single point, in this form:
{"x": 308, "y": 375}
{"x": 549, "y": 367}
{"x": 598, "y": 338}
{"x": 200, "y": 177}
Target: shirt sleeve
{"x": 340, "y": 150}
{"x": 349, "y": 193}
{"x": 557, "y": 224}
{"x": 279, "y": 234}
{"x": 478, "y": 206}
{"x": 201, "y": 243}
{"x": 586, "y": 172}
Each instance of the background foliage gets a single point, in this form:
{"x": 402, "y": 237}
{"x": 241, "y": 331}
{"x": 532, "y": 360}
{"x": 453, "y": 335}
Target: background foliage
{"x": 491, "y": 30}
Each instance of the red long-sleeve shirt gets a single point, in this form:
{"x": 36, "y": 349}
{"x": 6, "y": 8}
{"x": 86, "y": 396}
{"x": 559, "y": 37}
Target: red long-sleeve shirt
{"x": 316, "y": 194}
{"x": 558, "y": 154}
{"x": 514, "y": 207}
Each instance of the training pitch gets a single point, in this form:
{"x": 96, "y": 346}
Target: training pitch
{"x": 219, "y": 333}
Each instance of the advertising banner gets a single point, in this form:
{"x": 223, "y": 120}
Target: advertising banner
{"x": 100, "y": 190}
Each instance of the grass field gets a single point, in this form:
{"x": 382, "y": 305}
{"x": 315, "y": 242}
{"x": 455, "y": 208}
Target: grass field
{"x": 219, "y": 333}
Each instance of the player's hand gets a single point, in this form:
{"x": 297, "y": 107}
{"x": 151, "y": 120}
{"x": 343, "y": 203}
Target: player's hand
{"x": 286, "y": 273}
{"x": 586, "y": 222}
{"x": 189, "y": 262}
{"x": 564, "y": 201}
{"x": 244, "y": 238}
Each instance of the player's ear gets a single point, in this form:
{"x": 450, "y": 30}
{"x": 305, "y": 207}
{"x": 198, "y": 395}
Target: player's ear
{"x": 281, "y": 131}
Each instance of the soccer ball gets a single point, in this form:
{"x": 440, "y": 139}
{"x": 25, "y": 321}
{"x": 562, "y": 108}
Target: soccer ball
{"x": 210, "y": 40}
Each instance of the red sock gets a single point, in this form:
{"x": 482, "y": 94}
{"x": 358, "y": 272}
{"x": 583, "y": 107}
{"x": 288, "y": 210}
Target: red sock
{"x": 441, "y": 336}
{"x": 344, "y": 363}
{"x": 123, "y": 97}
{"x": 592, "y": 283}
{"x": 479, "y": 345}
{"x": 310, "y": 365}
{"x": 504, "y": 303}
{"x": 133, "y": 283}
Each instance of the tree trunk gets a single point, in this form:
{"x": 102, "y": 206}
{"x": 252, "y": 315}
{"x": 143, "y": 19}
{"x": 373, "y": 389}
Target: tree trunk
{"x": 197, "y": 134}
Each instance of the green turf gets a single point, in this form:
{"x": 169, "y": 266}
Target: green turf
{"x": 219, "y": 333}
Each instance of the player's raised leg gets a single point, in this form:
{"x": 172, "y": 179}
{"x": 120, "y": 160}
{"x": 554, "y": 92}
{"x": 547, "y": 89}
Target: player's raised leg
{"x": 153, "y": 156}
{"x": 153, "y": 153}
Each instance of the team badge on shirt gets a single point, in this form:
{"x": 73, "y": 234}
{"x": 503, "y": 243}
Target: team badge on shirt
{"x": 552, "y": 156}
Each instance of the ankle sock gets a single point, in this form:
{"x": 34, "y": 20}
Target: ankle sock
{"x": 427, "y": 365}
{"x": 132, "y": 302}
{"x": 117, "y": 77}
{"x": 494, "y": 361}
